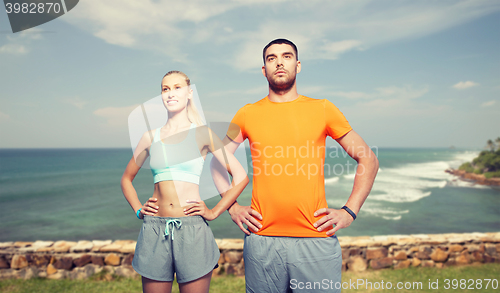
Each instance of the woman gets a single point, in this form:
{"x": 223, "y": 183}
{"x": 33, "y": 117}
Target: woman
{"x": 175, "y": 237}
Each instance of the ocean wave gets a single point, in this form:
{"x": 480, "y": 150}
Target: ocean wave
{"x": 385, "y": 213}
{"x": 331, "y": 181}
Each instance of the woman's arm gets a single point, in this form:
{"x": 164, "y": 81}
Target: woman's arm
{"x": 134, "y": 165}
{"x": 239, "y": 182}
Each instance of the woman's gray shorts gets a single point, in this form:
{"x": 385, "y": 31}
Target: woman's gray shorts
{"x": 184, "y": 246}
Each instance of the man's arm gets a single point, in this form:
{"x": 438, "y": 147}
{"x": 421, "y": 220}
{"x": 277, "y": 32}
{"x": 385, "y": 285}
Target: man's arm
{"x": 367, "y": 169}
{"x": 239, "y": 214}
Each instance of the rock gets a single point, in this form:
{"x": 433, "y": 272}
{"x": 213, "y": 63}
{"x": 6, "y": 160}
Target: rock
{"x": 355, "y": 251}
{"x": 82, "y": 260}
{"x": 472, "y": 247}
{"x": 64, "y": 263}
{"x": 5, "y": 245}
{"x": 233, "y": 256}
{"x": 128, "y": 260}
{"x": 59, "y": 275}
{"x": 345, "y": 253}
{"x": 42, "y": 274}
{"x": 51, "y": 270}
{"x": 234, "y": 269}
{"x": 97, "y": 260}
{"x": 462, "y": 259}
{"x": 112, "y": 259}
{"x": 439, "y": 255}
{"x": 82, "y": 246}
{"x": 357, "y": 264}
{"x": 81, "y": 273}
{"x": 427, "y": 264}
{"x": 221, "y": 259}
{"x": 111, "y": 248}
{"x": 127, "y": 272}
{"x": 490, "y": 249}
{"x": 413, "y": 249}
{"x": 231, "y": 244}
{"x": 39, "y": 260}
{"x": 455, "y": 248}
{"x": 18, "y": 262}
{"x": 29, "y": 273}
{"x": 401, "y": 255}
{"x": 20, "y": 244}
{"x": 4, "y": 264}
{"x": 7, "y": 274}
{"x": 488, "y": 259}
{"x": 403, "y": 264}
{"x": 477, "y": 256}
{"x": 58, "y": 246}
{"x": 416, "y": 262}
{"x": 381, "y": 263}
{"x": 128, "y": 247}
{"x": 375, "y": 253}
{"x": 424, "y": 252}
{"x": 100, "y": 243}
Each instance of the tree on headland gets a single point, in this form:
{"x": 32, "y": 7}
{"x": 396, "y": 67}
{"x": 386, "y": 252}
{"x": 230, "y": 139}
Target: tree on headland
{"x": 491, "y": 145}
{"x": 487, "y": 163}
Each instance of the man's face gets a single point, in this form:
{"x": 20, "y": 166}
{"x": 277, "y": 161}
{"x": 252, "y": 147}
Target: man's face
{"x": 281, "y": 67}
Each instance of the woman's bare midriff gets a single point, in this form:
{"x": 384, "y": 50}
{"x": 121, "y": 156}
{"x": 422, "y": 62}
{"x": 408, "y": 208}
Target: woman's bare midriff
{"x": 171, "y": 194}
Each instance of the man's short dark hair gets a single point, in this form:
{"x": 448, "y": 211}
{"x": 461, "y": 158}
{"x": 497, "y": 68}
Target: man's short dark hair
{"x": 279, "y": 42}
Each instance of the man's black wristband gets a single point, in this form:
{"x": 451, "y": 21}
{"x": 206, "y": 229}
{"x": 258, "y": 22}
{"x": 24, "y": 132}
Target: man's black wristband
{"x": 353, "y": 215}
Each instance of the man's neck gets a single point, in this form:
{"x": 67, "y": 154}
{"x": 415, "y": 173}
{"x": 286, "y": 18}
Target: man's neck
{"x": 281, "y": 97}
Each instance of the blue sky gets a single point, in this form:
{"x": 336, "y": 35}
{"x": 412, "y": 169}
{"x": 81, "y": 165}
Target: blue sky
{"x": 404, "y": 73}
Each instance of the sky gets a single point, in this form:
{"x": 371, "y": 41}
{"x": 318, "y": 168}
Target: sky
{"x": 404, "y": 73}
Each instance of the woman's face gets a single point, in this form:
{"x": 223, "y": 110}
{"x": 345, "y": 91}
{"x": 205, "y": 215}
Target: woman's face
{"x": 175, "y": 92}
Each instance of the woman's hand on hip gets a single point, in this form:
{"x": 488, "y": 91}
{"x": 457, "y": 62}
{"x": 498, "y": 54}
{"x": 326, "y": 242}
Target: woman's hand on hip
{"x": 198, "y": 208}
{"x": 149, "y": 208}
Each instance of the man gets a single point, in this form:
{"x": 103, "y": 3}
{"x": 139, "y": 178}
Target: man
{"x": 293, "y": 247}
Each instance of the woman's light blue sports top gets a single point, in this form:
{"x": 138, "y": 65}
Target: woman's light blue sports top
{"x": 178, "y": 162}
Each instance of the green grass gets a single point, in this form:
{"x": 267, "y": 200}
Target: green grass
{"x": 108, "y": 283}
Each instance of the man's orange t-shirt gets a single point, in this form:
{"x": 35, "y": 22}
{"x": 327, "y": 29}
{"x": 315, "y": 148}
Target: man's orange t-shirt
{"x": 287, "y": 142}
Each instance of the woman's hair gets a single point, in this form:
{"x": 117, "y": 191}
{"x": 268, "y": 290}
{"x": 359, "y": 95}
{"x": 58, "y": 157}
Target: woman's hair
{"x": 192, "y": 112}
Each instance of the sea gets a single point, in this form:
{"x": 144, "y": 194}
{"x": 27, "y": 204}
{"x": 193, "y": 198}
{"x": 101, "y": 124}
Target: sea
{"x": 75, "y": 194}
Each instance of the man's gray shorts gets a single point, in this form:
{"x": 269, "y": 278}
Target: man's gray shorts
{"x": 292, "y": 264}
{"x": 189, "y": 250}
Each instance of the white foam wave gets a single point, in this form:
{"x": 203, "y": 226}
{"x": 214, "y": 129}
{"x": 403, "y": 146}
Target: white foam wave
{"x": 384, "y": 213}
{"x": 331, "y": 181}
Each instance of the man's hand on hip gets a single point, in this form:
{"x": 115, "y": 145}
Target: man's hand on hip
{"x": 245, "y": 215}
{"x": 340, "y": 218}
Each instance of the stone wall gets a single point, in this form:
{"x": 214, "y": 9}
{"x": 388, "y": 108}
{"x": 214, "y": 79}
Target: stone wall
{"x": 79, "y": 260}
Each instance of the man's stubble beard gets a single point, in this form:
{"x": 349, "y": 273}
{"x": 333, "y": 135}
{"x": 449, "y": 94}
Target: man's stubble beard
{"x": 281, "y": 87}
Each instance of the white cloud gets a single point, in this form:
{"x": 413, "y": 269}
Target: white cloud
{"x": 116, "y": 116}
{"x": 332, "y": 50}
{"x": 15, "y": 49}
{"x": 489, "y": 103}
{"x": 240, "y": 29}
{"x": 18, "y": 43}
{"x": 464, "y": 85}
{"x": 75, "y": 101}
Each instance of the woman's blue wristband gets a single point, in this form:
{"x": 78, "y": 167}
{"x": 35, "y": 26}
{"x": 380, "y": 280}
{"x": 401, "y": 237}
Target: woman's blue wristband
{"x": 353, "y": 215}
{"x": 138, "y": 212}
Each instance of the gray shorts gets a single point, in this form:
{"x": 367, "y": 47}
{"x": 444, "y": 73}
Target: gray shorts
{"x": 187, "y": 248}
{"x": 292, "y": 264}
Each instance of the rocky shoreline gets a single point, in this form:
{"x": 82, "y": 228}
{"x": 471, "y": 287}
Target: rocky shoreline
{"x": 475, "y": 178}
{"x": 82, "y": 259}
